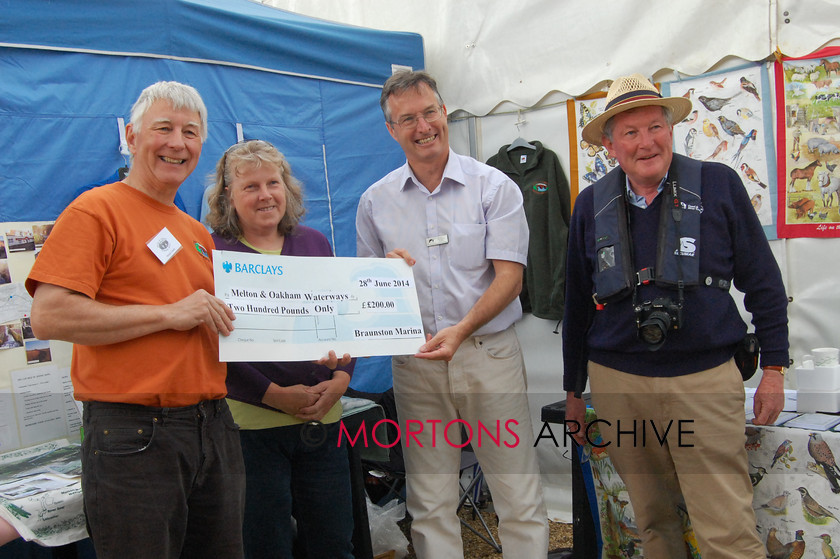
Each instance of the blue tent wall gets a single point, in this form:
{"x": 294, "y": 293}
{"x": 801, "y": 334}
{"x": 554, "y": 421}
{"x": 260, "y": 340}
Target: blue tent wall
{"x": 222, "y": 31}
{"x": 69, "y": 69}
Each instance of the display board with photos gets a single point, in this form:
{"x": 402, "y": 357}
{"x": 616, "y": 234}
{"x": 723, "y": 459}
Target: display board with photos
{"x": 36, "y": 395}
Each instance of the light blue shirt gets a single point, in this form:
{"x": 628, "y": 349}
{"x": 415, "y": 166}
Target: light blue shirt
{"x": 477, "y": 207}
{"x": 639, "y": 201}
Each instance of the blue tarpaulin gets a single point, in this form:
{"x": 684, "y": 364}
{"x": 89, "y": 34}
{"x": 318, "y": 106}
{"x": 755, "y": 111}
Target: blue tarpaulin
{"x": 70, "y": 69}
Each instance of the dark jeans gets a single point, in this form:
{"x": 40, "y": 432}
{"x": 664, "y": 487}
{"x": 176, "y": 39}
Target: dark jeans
{"x": 163, "y": 483}
{"x": 290, "y": 473}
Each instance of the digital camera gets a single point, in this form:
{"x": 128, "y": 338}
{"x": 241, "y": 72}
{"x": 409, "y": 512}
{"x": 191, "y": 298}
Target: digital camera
{"x": 655, "y": 318}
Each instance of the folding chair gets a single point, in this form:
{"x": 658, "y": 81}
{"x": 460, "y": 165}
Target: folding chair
{"x": 471, "y": 494}
{"x": 391, "y": 475}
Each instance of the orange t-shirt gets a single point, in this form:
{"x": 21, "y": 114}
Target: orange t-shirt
{"x": 98, "y": 248}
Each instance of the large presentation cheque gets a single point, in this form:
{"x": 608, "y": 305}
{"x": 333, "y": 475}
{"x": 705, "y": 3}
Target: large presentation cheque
{"x": 297, "y": 308}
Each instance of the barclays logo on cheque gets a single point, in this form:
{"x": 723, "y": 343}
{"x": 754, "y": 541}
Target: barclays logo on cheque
{"x": 259, "y": 269}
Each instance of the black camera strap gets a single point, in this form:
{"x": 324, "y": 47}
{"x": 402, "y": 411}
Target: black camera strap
{"x": 676, "y": 215}
{"x": 671, "y": 209}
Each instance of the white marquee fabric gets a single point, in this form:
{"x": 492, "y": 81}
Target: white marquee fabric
{"x": 491, "y": 57}
{"x": 487, "y": 52}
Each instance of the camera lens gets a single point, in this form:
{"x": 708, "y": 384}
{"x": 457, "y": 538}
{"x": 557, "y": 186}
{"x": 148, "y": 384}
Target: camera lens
{"x": 653, "y": 330}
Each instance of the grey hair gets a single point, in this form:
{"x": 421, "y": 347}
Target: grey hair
{"x": 250, "y": 154}
{"x": 403, "y": 81}
{"x": 179, "y": 95}
{"x": 607, "y": 131}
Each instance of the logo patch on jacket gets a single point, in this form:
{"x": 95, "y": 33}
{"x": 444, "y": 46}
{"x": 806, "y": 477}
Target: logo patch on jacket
{"x": 540, "y": 187}
{"x": 687, "y": 246}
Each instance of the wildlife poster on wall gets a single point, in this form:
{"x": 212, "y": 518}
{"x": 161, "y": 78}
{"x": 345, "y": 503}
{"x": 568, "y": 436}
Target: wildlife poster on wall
{"x": 589, "y": 162}
{"x": 808, "y": 110}
{"x": 731, "y": 123}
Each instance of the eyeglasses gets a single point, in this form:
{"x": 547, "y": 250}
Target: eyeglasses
{"x": 409, "y": 122}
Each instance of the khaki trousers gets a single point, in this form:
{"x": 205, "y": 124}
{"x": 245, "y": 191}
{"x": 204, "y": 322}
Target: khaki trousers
{"x": 702, "y": 458}
{"x": 483, "y": 386}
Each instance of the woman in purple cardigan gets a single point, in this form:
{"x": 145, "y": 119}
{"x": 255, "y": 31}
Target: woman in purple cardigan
{"x": 255, "y": 206}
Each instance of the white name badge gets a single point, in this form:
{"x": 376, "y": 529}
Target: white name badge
{"x": 439, "y": 240}
{"x": 164, "y": 245}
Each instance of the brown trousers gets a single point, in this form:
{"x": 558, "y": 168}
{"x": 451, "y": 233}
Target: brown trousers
{"x": 701, "y": 460}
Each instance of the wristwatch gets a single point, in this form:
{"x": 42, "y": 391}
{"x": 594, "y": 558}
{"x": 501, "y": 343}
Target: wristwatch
{"x": 779, "y": 368}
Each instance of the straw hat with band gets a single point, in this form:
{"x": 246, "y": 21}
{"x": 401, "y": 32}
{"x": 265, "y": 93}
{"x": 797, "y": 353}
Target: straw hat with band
{"x": 631, "y": 92}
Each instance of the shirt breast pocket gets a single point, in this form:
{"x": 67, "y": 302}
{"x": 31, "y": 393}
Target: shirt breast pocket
{"x": 466, "y": 243}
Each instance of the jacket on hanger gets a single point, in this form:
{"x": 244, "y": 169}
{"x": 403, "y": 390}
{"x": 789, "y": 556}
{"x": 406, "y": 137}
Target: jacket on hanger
{"x": 545, "y": 192}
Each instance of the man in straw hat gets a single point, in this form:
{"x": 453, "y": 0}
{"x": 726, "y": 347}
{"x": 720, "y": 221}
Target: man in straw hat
{"x": 653, "y": 249}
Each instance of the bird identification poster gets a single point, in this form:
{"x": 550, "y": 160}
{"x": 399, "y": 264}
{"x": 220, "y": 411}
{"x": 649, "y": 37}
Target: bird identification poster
{"x": 731, "y": 122}
{"x": 589, "y": 162}
{"x": 298, "y": 308}
{"x": 808, "y": 110}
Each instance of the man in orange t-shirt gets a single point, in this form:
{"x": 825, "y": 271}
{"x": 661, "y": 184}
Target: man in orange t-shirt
{"x": 127, "y": 277}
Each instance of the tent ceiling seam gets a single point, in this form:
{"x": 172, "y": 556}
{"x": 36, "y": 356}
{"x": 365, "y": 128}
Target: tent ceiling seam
{"x": 463, "y": 114}
{"x": 188, "y": 59}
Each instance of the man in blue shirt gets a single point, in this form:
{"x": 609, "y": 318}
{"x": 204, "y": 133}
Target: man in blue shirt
{"x": 464, "y": 223}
